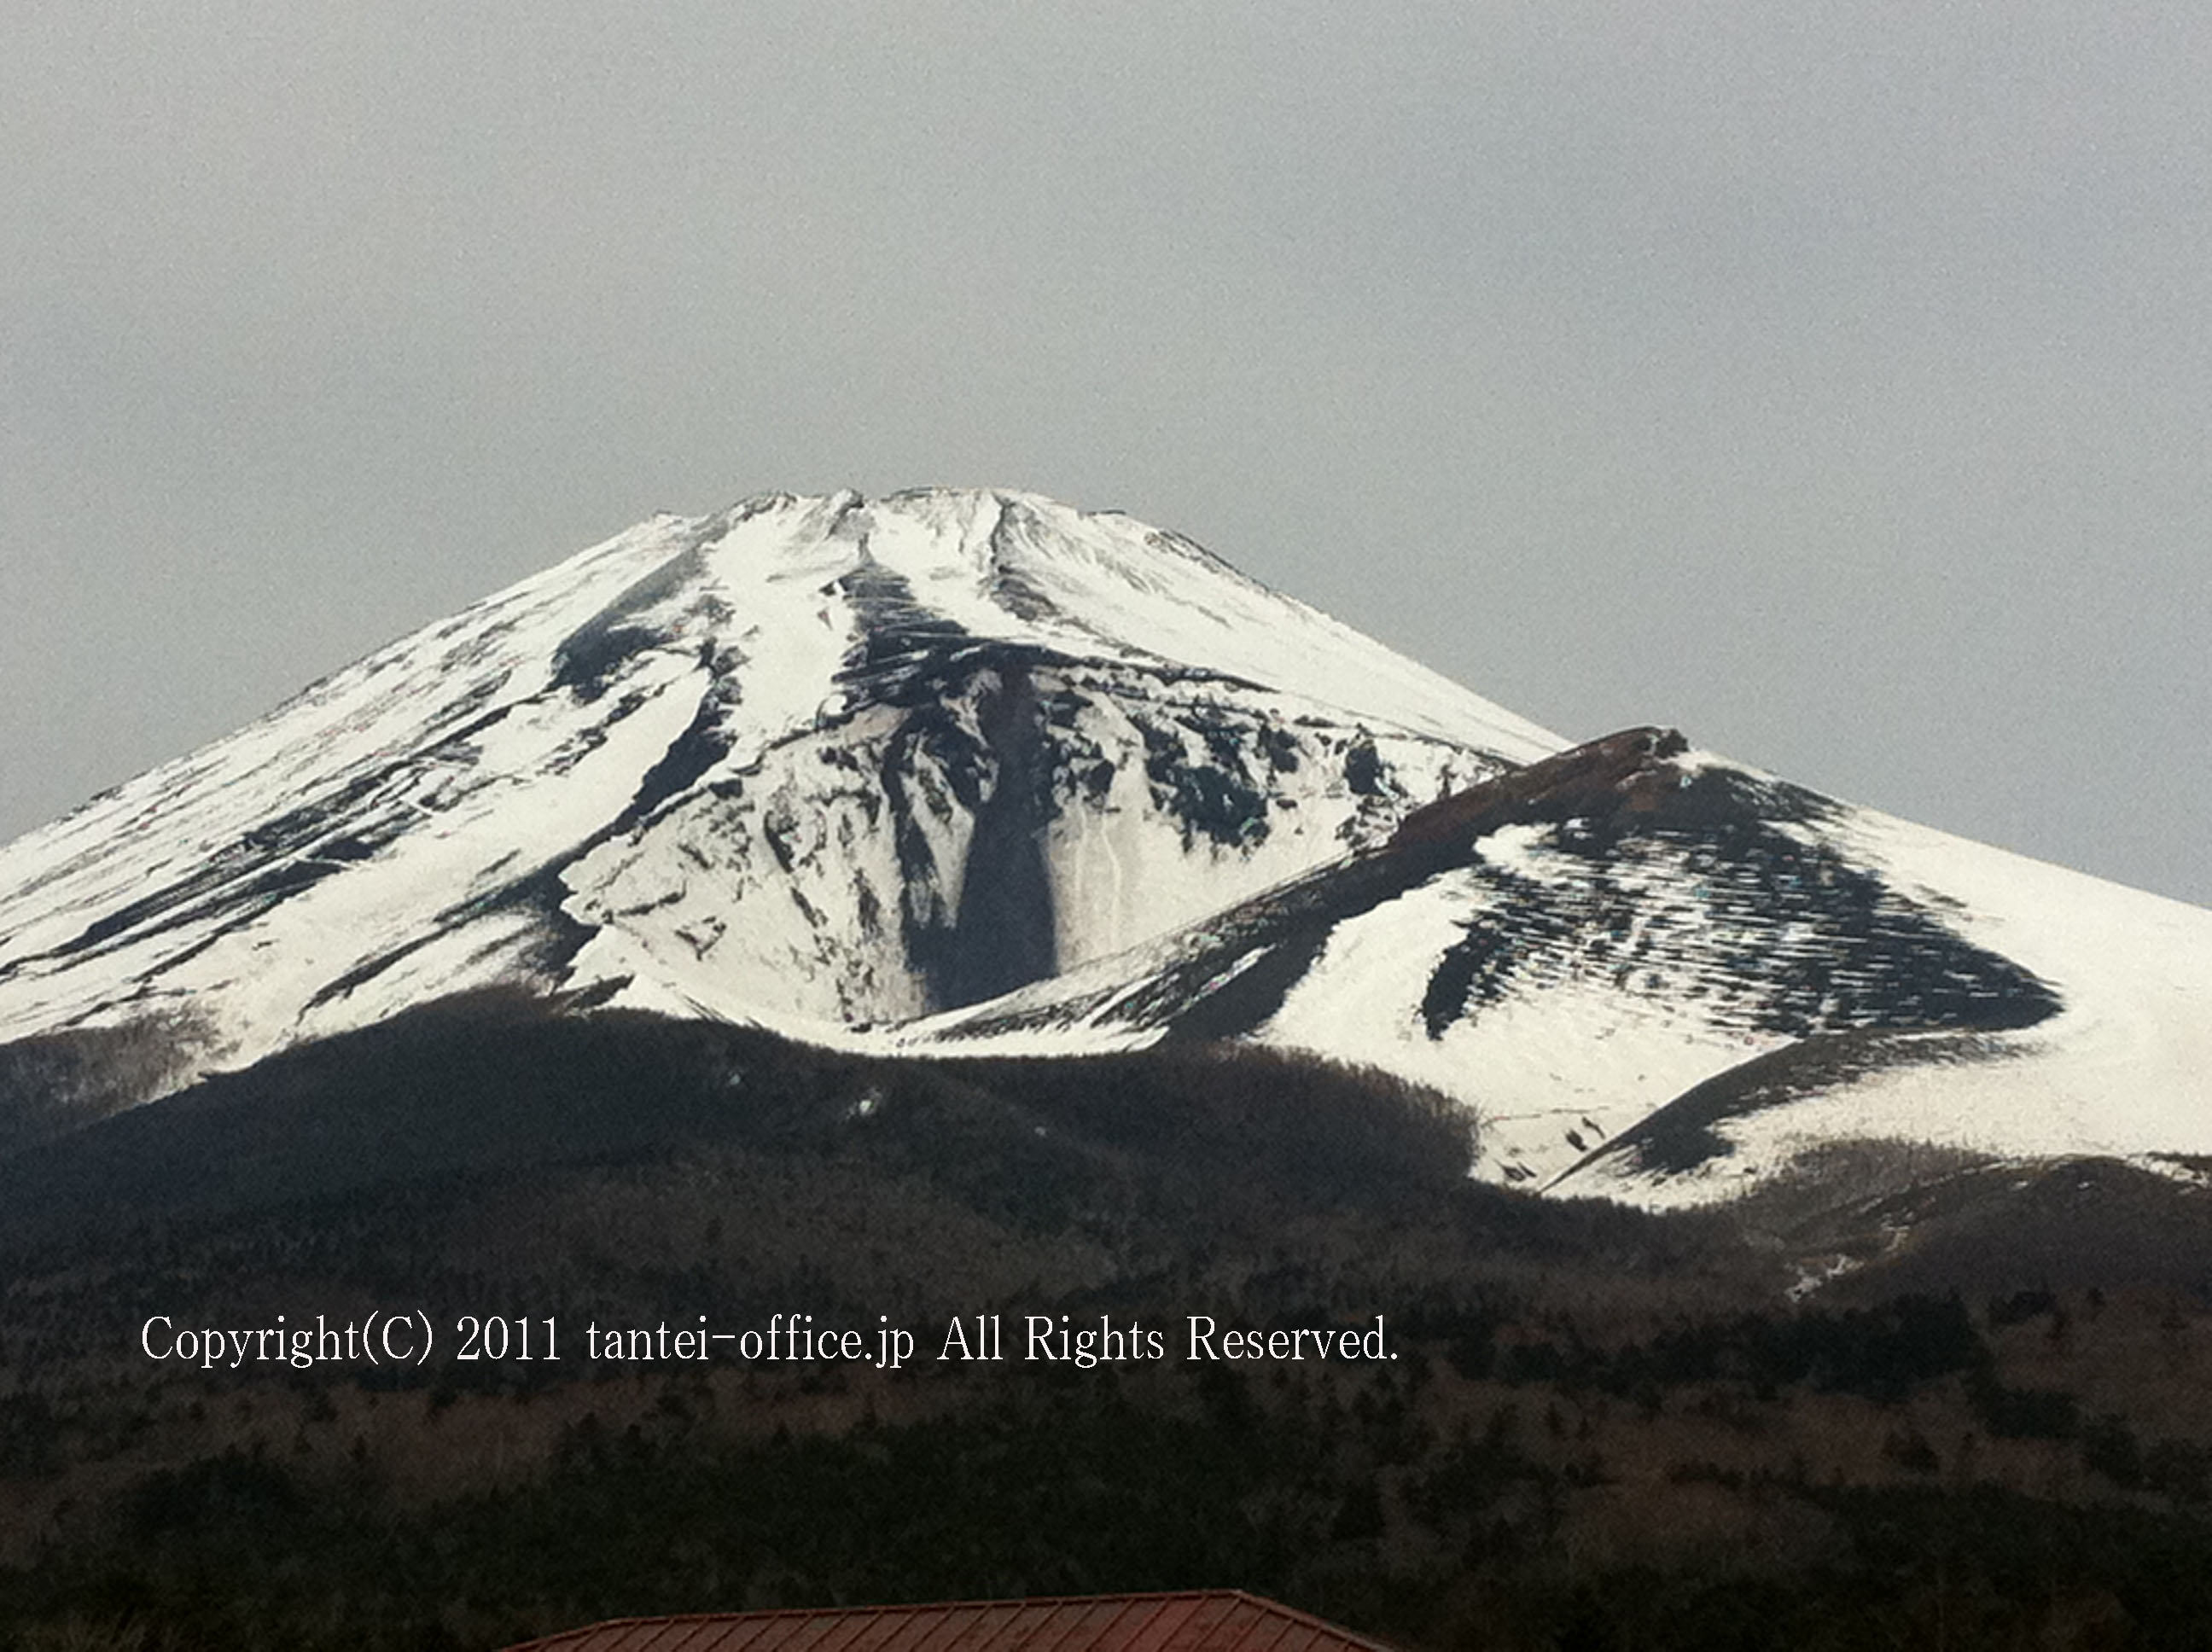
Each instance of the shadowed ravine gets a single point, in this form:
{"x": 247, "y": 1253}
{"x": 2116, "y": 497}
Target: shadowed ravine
{"x": 1005, "y": 936}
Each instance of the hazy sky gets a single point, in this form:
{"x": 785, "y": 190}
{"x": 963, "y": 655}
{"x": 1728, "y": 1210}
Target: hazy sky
{"x": 1830, "y": 380}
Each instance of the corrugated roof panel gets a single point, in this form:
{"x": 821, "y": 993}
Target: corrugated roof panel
{"x": 1232, "y": 1621}
{"x": 817, "y": 1631}
{"x": 854, "y": 1631}
{"x": 941, "y": 1628}
{"x": 1170, "y": 1623}
{"x": 1215, "y": 1620}
{"x": 1269, "y": 1631}
{"x": 703, "y": 1634}
{"x": 1106, "y": 1624}
{"x": 1033, "y": 1626}
{"x": 893, "y": 1631}
{"x": 1285, "y": 1634}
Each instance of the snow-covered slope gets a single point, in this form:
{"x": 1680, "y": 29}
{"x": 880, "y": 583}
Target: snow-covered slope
{"x": 2122, "y": 1068}
{"x": 1570, "y": 948}
{"x": 812, "y": 761}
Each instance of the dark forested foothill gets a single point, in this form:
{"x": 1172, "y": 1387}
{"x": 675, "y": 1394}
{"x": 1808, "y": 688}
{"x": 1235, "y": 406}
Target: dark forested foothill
{"x": 1603, "y": 1428}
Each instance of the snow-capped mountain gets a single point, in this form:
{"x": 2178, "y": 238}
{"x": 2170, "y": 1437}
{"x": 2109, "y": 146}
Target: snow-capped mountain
{"x": 1661, "y": 975}
{"x": 813, "y": 763}
{"x": 963, "y": 773}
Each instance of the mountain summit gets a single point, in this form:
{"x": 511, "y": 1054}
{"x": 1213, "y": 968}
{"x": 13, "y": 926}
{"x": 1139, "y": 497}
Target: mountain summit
{"x": 808, "y": 762}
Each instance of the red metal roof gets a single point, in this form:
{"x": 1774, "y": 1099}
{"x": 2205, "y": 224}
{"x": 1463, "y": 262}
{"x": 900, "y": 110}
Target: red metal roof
{"x": 1211, "y": 1620}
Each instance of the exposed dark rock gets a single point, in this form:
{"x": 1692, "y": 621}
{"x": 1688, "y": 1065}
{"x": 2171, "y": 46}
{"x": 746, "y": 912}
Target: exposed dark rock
{"x": 1004, "y": 934}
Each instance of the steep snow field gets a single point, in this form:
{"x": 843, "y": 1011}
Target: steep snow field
{"x": 739, "y": 764}
{"x": 2124, "y": 1069}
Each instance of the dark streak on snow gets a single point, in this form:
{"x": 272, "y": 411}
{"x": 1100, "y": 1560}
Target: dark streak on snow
{"x": 1005, "y": 935}
{"x": 1680, "y": 1135}
{"x": 281, "y": 855}
{"x": 704, "y": 742}
{"x": 586, "y": 660}
{"x": 1787, "y": 937}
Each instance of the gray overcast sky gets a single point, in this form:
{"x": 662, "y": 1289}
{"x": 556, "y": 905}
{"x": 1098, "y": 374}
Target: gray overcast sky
{"x": 1830, "y": 380}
